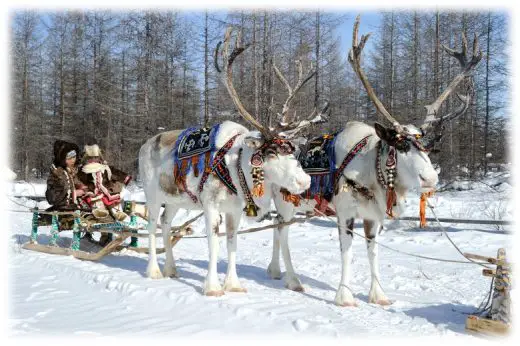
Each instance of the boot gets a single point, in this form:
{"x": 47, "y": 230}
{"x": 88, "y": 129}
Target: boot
{"x": 104, "y": 240}
{"x": 99, "y": 210}
{"x": 100, "y": 213}
{"x": 117, "y": 214}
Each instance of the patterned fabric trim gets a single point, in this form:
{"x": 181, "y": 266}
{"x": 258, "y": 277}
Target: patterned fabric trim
{"x": 350, "y": 156}
{"x": 220, "y": 168}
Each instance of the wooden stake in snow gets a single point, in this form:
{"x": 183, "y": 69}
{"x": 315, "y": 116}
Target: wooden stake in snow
{"x": 498, "y": 319}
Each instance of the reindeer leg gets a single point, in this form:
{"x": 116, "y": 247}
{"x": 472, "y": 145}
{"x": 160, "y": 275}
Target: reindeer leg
{"x": 211, "y": 284}
{"x": 376, "y": 295}
{"x": 169, "y": 270}
{"x": 231, "y": 282}
{"x": 283, "y": 208}
{"x": 273, "y": 269}
{"x": 344, "y": 295}
{"x": 285, "y": 213}
{"x": 292, "y": 281}
{"x": 153, "y": 271}
{"x": 281, "y": 240}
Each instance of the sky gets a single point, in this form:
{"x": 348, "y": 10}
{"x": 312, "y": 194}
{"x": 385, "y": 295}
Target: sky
{"x": 369, "y": 23}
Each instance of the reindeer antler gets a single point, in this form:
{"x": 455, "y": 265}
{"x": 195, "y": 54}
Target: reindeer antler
{"x": 354, "y": 58}
{"x": 228, "y": 79}
{"x": 467, "y": 68}
{"x": 288, "y": 126}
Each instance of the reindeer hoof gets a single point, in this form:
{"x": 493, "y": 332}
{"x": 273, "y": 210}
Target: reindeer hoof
{"x": 237, "y": 289}
{"x": 349, "y": 304}
{"x": 294, "y": 284}
{"x": 214, "y": 293}
{"x": 274, "y": 273}
{"x": 171, "y": 274}
{"x": 384, "y": 302}
{"x": 154, "y": 273}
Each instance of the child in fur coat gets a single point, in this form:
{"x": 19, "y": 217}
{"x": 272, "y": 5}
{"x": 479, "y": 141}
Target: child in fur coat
{"x": 104, "y": 184}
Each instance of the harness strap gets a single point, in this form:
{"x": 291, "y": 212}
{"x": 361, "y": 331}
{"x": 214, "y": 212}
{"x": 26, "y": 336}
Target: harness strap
{"x": 391, "y": 163}
{"x": 220, "y": 167}
{"x": 185, "y": 188}
{"x": 251, "y": 208}
{"x": 350, "y": 156}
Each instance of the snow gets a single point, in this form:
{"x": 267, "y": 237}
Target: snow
{"x": 8, "y": 174}
{"x": 58, "y": 295}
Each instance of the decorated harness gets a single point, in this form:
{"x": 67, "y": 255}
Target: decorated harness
{"x": 195, "y": 150}
{"x": 318, "y": 160}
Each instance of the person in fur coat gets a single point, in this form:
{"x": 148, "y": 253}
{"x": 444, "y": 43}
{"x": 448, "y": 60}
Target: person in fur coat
{"x": 104, "y": 184}
{"x": 63, "y": 186}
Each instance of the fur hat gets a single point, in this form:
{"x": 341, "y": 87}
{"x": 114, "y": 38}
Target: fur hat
{"x": 92, "y": 151}
{"x": 93, "y": 161}
{"x": 61, "y": 148}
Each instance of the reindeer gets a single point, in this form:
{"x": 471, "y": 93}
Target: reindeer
{"x": 264, "y": 153}
{"x": 362, "y": 189}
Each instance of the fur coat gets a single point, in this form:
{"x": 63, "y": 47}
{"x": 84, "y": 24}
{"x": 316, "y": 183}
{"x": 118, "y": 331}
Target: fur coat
{"x": 103, "y": 181}
{"x": 63, "y": 183}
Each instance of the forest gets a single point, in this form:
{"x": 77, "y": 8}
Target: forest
{"x": 117, "y": 78}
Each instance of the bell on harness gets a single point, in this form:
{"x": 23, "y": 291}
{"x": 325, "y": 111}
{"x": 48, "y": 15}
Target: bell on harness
{"x": 251, "y": 210}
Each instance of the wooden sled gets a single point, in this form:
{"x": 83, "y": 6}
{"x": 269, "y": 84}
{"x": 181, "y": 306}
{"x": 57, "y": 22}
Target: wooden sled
{"x": 82, "y": 222}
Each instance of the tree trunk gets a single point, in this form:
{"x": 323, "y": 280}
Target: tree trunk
{"x": 486, "y": 124}
{"x": 206, "y": 74}
{"x": 317, "y": 75}
{"x": 255, "y": 69}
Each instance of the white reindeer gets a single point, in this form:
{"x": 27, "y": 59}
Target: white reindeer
{"x": 364, "y": 190}
{"x": 273, "y": 153}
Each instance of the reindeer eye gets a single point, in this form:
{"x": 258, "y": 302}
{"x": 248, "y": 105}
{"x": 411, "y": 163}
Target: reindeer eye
{"x": 286, "y": 150}
{"x": 403, "y": 146}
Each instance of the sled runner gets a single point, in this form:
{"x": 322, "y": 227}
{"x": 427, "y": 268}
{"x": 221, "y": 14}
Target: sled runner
{"x": 83, "y": 225}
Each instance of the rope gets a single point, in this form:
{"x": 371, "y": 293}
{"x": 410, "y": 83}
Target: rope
{"x": 400, "y": 251}
{"x": 451, "y": 241}
{"x": 256, "y": 229}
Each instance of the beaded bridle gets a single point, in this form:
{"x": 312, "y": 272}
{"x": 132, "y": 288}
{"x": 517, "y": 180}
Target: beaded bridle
{"x": 401, "y": 142}
{"x": 275, "y": 146}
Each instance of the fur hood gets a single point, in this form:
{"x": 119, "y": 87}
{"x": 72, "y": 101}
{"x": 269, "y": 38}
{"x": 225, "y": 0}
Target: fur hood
{"x": 61, "y": 148}
{"x": 93, "y": 161}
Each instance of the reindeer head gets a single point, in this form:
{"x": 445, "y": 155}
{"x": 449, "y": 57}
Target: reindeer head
{"x": 271, "y": 150}
{"x": 411, "y": 143}
{"x": 275, "y": 157}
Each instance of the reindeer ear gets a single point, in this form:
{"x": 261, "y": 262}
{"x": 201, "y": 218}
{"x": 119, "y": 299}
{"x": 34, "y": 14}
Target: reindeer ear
{"x": 382, "y": 132}
{"x": 254, "y": 140}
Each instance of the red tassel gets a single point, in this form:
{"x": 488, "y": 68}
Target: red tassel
{"x": 194, "y": 165}
{"x": 422, "y": 208}
{"x": 391, "y": 198}
{"x": 290, "y": 198}
{"x": 258, "y": 190}
{"x": 207, "y": 157}
{"x": 176, "y": 173}
{"x": 180, "y": 177}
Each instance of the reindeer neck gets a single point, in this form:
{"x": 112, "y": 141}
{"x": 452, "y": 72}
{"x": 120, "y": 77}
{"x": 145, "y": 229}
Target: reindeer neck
{"x": 232, "y": 160}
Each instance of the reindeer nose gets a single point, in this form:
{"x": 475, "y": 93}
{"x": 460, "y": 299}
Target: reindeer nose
{"x": 304, "y": 183}
{"x": 429, "y": 182}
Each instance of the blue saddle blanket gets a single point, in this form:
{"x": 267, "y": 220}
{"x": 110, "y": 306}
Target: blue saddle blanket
{"x": 196, "y": 141}
{"x": 318, "y": 159}
{"x": 190, "y": 148}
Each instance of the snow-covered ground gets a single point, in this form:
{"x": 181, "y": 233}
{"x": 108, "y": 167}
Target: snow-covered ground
{"x": 57, "y": 295}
